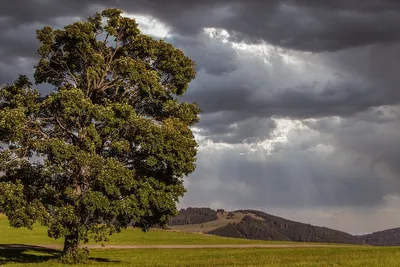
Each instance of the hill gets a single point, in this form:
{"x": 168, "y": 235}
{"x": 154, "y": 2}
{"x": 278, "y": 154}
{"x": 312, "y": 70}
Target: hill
{"x": 194, "y": 216}
{"x": 276, "y": 228}
{"x": 390, "y": 237}
{"x": 252, "y": 224}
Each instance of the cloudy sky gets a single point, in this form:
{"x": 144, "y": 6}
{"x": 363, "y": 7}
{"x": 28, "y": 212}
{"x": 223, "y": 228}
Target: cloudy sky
{"x": 300, "y": 98}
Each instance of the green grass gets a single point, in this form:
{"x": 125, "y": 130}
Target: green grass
{"x": 38, "y": 236}
{"x": 300, "y": 257}
{"x": 297, "y": 257}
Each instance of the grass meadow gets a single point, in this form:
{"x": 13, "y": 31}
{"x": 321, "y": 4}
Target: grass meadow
{"x": 325, "y": 256}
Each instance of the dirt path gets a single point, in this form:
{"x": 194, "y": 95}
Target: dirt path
{"x": 172, "y": 246}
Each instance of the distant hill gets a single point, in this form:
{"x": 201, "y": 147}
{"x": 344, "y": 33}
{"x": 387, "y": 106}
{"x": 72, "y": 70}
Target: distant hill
{"x": 250, "y": 228}
{"x": 277, "y": 228}
{"x": 252, "y": 224}
{"x": 390, "y": 237}
{"x": 194, "y": 216}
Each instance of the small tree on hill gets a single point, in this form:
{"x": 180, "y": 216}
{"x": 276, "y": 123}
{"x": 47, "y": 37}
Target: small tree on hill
{"x": 112, "y": 141}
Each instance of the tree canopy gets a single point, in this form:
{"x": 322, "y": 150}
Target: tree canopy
{"x": 110, "y": 145}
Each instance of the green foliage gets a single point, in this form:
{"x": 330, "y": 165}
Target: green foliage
{"x": 114, "y": 136}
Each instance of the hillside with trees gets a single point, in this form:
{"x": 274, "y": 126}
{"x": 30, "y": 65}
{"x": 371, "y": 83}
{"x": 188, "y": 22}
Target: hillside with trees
{"x": 390, "y": 237}
{"x": 194, "y": 216}
{"x": 275, "y": 228}
{"x": 253, "y": 224}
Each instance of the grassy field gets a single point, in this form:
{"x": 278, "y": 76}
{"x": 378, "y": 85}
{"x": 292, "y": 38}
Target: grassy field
{"x": 297, "y": 257}
{"x": 301, "y": 257}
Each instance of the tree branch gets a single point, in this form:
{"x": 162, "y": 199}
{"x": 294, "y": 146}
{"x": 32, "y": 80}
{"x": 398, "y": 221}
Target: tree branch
{"x": 70, "y": 73}
{"x": 72, "y": 135}
{"x": 100, "y": 84}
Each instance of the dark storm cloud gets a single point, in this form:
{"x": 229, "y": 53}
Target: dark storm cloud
{"x": 235, "y": 128}
{"x": 341, "y": 99}
{"x": 25, "y": 12}
{"x": 323, "y": 25}
{"x": 211, "y": 55}
{"x": 280, "y": 89}
{"x": 341, "y": 84}
{"x": 19, "y": 21}
{"x": 18, "y": 42}
{"x": 309, "y": 25}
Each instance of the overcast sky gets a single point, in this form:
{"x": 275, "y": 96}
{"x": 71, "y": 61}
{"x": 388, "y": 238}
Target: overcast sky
{"x": 300, "y": 98}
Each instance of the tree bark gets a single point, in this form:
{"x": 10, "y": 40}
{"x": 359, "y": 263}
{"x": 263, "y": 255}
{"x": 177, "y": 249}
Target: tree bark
{"x": 71, "y": 245}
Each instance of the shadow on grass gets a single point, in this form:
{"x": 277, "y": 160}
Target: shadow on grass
{"x": 19, "y": 253}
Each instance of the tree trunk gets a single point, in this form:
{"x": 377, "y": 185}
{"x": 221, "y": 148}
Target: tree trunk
{"x": 71, "y": 245}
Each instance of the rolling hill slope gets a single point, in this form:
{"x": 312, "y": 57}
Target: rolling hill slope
{"x": 390, "y": 237}
{"x": 252, "y": 224}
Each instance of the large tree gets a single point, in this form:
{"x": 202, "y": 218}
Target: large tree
{"x": 110, "y": 145}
